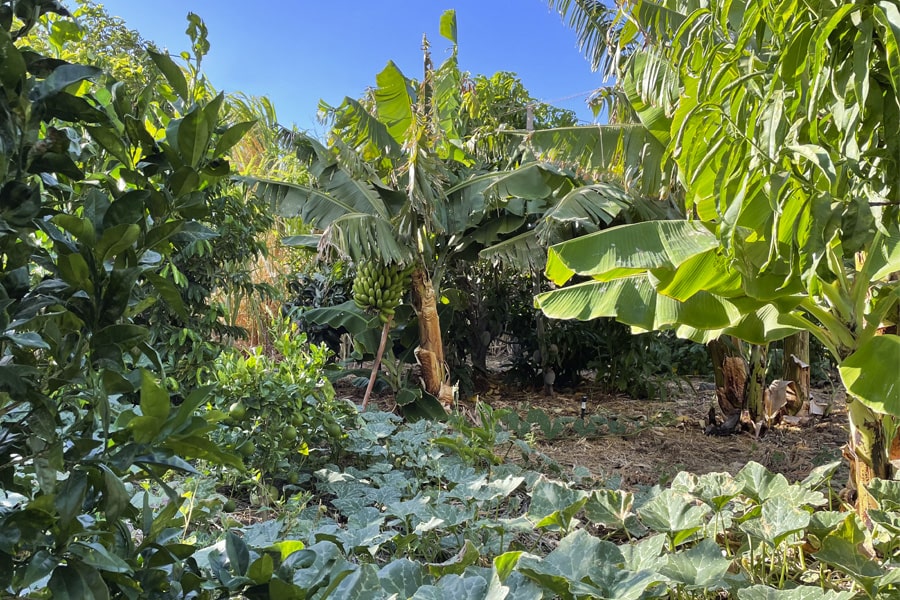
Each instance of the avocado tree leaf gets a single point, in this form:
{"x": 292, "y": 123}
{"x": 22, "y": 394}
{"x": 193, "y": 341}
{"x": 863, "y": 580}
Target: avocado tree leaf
{"x": 168, "y": 292}
{"x": 77, "y": 581}
{"x": 193, "y": 136}
{"x": 154, "y": 398}
{"x": 111, "y": 141}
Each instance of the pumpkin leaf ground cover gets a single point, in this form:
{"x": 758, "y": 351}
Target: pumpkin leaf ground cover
{"x": 399, "y": 517}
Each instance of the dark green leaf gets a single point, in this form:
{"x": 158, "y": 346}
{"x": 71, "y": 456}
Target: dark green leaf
{"x": 168, "y": 292}
{"x": 111, "y": 141}
{"x": 232, "y": 136}
{"x": 61, "y": 78}
{"x": 154, "y": 398}
{"x": 172, "y": 72}
{"x": 193, "y": 137}
{"x": 77, "y": 582}
{"x": 97, "y": 556}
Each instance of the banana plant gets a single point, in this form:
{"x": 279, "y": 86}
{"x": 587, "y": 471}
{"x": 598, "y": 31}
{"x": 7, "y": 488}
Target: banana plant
{"x": 409, "y": 176}
{"x": 791, "y": 184}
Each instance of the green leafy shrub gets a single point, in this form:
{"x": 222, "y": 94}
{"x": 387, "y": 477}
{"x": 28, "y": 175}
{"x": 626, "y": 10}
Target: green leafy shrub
{"x": 279, "y": 411}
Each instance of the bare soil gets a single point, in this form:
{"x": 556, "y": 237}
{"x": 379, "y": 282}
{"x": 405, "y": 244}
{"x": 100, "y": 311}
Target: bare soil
{"x": 662, "y": 438}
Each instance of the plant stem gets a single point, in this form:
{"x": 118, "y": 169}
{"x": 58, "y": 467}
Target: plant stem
{"x": 384, "y": 337}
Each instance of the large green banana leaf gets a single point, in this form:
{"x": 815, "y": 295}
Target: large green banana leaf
{"x": 702, "y": 317}
{"x": 629, "y": 249}
{"x": 871, "y": 374}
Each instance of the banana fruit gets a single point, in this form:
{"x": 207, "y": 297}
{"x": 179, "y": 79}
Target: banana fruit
{"x": 380, "y": 287}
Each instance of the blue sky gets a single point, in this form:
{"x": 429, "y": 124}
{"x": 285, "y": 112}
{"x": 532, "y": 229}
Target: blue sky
{"x": 296, "y": 52}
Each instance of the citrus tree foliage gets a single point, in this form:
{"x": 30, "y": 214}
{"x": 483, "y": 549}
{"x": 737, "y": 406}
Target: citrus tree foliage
{"x": 778, "y": 122}
{"x": 99, "y": 191}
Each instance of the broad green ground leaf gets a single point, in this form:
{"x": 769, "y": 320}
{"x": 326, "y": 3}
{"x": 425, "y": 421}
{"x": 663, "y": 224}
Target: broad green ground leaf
{"x": 779, "y": 519}
{"x": 467, "y": 555}
{"x": 700, "y": 567}
{"x": 578, "y": 556}
{"x": 805, "y": 592}
{"x": 288, "y": 547}
{"x": 506, "y": 563}
{"x": 870, "y": 374}
{"x": 403, "y": 577}
{"x": 614, "y": 509}
{"x": 645, "y": 555}
{"x": 454, "y": 586}
{"x": 760, "y": 483}
{"x": 823, "y": 522}
{"x": 362, "y": 584}
{"x": 717, "y": 489}
{"x": 820, "y": 475}
{"x": 886, "y": 493}
{"x": 282, "y": 590}
{"x": 553, "y": 503}
{"x": 482, "y": 490}
{"x": 846, "y": 556}
{"x": 674, "y": 513}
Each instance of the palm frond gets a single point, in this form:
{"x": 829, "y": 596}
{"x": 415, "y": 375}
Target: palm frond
{"x": 591, "y": 207}
{"x": 629, "y": 152}
{"x": 593, "y": 23}
{"x": 363, "y": 237}
{"x": 520, "y": 252}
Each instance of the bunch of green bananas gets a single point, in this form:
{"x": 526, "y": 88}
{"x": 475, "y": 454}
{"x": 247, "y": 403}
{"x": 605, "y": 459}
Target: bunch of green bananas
{"x": 379, "y": 287}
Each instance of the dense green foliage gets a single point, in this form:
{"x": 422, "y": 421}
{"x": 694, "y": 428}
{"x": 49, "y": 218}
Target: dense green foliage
{"x": 124, "y": 428}
{"x": 102, "y": 191}
{"x": 429, "y": 511}
{"x": 280, "y": 411}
